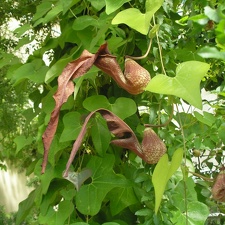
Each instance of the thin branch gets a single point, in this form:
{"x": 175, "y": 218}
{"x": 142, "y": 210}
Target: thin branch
{"x": 143, "y": 56}
{"x": 163, "y": 124}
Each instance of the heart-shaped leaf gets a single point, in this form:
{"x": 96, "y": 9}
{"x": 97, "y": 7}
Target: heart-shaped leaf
{"x": 90, "y": 197}
{"x": 162, "y": 173}
{"x": 21, "y": 142}
{"x": 72, "y": 126}
{"x": 122, "y": 107}
{"x": 186, "y": 83}
{"x": 141, "y": 22}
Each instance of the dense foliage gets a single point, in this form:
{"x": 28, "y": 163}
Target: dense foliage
{"x": 108, "y": 184}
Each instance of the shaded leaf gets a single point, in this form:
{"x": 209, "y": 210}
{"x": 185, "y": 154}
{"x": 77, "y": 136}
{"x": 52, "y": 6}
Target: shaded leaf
{"x": 90, "y": 197}
{"x": 112, "y": 6}
{"x": 82, "y": 22}
{"x": 121, "y": 198}
{"x": 185, "y": 85}
{"x": 56, "y": 69}
{"x": 122, "y": 107}
{"x": 25, "y": 207}
{"x": 21, "y": 142}
{"x": 100, "y": 135}
{"x": 72, "y": 126}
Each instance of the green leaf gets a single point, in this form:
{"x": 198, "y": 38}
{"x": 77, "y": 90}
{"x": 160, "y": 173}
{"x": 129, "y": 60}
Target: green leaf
{"x": 212, "y": 14}
{"x": 8, "y": 59}
{"x": 51, "y": 14}
{"x": 184, "y": 188}
{"x": 89, "y": 198}
{"x": 57, "y": 217}
{"x": 64, "y": 211}
{"x": 97, "y": 4}
{"x": 25, "y": 207}
{"x": 211, "y": 52}
{"x": 42, "y": 9}
{"x": 120, "y": 198}
{"x": 100, "y": 135}
{"x": 110, "y": 223}
{"x": 122, "y": 107}
{"x": 82, "y": 22}
{"x": 186, "y": 83}
{"x": 163, "y": 172}
{"x": 141, "y": 22}
{"x": 207, "y": 118}
{"x": 21, "y": 30}
{"x": 21, "y": 142}
{"x": 221, "y": 132}
{"x": 57, "y": 69}
{"x": 72, "y": 126}
{"x": 112, "y": 5}
{"x": 34, "y": 71}
{"x": 68, "y": 4}
{"x": 197, "y": 214}
{"x": 80, "y": 223}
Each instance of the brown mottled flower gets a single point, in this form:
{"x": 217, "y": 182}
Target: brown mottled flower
{"x": 218, "y": 189}
{"x": 153, "y": 147}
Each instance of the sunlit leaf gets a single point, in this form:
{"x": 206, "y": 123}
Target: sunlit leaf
{"x": 163, "y": 172}
{"x": 142, "y": 20}
{"x": 211, "y": 52}
{"x": 186, "y": 83}
{"x": 197, "y": 213}
{"x": 207, "y": 118}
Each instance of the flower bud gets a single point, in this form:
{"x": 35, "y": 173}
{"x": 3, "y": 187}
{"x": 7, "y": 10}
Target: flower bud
{"x": 152, "y": 146}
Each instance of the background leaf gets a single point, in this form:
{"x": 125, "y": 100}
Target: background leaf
{"x": 21, "y": 142}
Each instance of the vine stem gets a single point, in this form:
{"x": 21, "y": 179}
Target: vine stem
{"x": 143, "y": 56}
{"x": 185, "y": 162}
{"x": 160, "y": 49}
